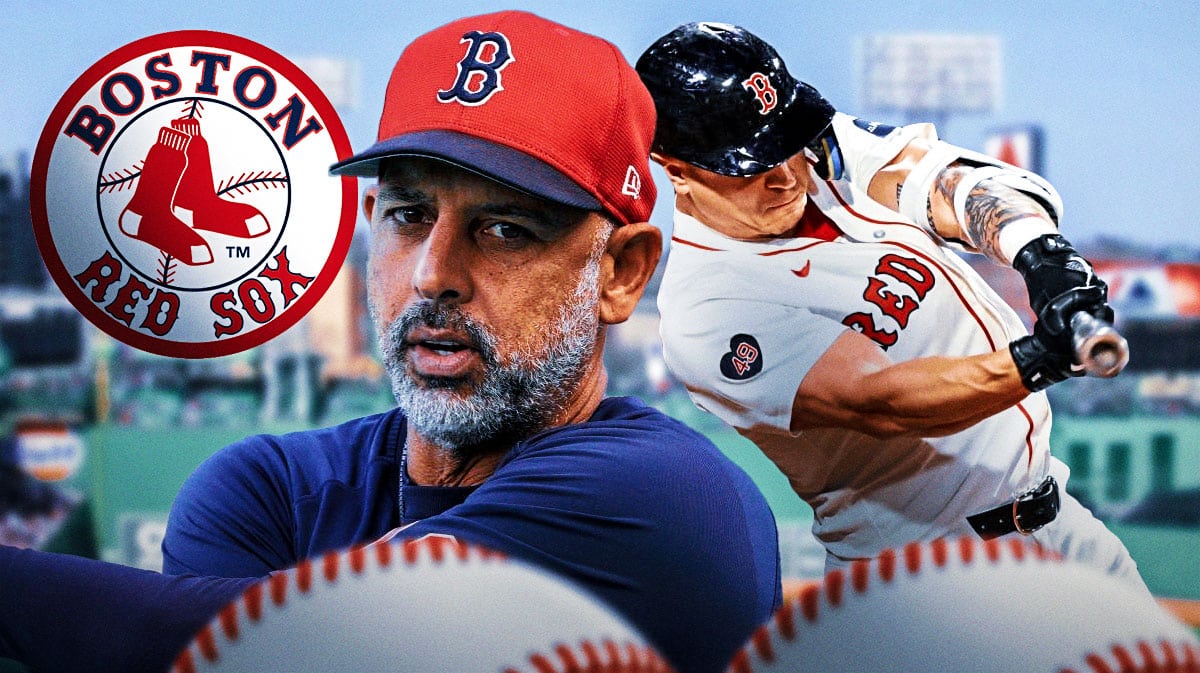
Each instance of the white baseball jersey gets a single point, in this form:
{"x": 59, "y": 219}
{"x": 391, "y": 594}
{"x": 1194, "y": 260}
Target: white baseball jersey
{"x": 743, "y": 322}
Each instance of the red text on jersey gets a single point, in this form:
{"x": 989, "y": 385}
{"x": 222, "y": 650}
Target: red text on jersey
{"x": 892, "y": 273}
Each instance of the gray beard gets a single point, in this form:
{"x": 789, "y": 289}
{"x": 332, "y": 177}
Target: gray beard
{"x": 514, "y": 399}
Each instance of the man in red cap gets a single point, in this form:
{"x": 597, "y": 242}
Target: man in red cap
{"x": 508, "y": 228}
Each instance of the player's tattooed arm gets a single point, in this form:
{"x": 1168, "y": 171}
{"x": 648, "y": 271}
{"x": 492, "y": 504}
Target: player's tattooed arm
{"x": 990, "y": 207}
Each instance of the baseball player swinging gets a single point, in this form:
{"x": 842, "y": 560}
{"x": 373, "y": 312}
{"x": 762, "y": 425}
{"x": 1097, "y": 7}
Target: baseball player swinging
{"x": 814, "y": 301}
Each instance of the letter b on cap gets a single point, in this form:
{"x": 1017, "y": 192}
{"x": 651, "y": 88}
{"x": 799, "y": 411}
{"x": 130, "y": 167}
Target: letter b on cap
{"x": 477, "y": 78}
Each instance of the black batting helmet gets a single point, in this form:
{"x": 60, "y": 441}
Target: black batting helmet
{"x": 726, "y": 102}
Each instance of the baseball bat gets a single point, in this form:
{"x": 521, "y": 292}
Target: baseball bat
{"x": 1099, "y": 347}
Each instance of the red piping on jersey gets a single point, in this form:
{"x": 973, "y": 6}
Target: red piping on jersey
{"x": 676, "y": 239}
{"x": 845, "y": 204}
{"x": 780, "y": 252}
{"x": 991, "y": 342}
{"x": 1028, "y": 435}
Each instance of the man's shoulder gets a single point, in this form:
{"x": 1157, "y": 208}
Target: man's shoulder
{"x": 631, "y": 420}
{"x": 331, "y": 452}
{"x": 663, "y": 469}
{"x": 632, "y": 442}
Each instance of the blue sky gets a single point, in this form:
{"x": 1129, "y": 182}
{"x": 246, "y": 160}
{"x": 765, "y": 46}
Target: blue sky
{"x": 1114, "y": 85}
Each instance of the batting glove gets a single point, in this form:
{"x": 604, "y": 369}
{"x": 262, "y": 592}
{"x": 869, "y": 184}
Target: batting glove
{"x": 1051, "y": 267}
{"x": 1048, "y": 355}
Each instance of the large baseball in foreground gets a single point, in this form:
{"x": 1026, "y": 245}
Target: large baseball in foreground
{"x": 419, "y": 606}
{"x": 968, "y": 605}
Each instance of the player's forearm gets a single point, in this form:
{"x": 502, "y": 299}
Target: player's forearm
{"x": 927, "y": 397}
{"x": 995, "y": 219}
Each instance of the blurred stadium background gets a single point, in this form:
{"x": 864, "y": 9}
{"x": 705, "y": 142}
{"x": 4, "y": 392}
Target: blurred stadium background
{"x": 96, "y": 437}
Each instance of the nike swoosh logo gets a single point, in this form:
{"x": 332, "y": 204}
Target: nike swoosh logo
{"x": 803, "y": 271}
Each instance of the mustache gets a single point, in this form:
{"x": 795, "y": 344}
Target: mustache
{"x": 434, "y": 315}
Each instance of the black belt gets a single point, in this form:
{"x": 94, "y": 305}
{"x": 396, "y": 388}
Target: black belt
{"x": 1027, "y": 513}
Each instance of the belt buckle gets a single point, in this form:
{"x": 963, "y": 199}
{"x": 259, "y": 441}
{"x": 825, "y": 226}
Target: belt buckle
{"x": 1042, "y": 489}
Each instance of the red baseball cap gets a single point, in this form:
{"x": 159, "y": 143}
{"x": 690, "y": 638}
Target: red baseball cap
{"x": 527, "y": 102}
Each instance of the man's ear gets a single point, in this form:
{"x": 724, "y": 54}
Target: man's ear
{"x": 368, "y": 203}
{"x": 629, "y": 261}
{"x": 675, "y": 170}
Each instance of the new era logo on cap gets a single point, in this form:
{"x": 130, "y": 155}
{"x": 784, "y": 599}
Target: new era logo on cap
{"x": 531, "y": 103}
{"x": 633, "y": 183}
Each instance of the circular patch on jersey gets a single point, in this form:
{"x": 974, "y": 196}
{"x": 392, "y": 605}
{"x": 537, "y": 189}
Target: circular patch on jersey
{"x": 181, "y": 195}
{"x": 744, "y": 358}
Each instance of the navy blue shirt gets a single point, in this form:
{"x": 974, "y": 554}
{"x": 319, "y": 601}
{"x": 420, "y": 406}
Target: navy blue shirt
{"x": 634, "y": 506}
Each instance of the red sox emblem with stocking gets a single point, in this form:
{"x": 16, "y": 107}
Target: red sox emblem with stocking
{"x": 181, "y": 197}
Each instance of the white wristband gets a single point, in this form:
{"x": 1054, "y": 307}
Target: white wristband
{"x": 1014, "y": 235}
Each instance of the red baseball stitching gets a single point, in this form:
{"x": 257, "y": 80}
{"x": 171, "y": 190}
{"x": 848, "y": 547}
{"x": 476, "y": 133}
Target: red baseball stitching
{"x": 887, "y": 567}
{"x": 605, "y": 657}
{"x": 832, "y": 587}
{"x": 184, "y": 663}
{"x": 228, "y": 619}
{"x": 438, "y": 548}
{"x": 1175, "y": 657}
{"x": 330, "y": 563}
{"x": 383, "y": 554}
{"x": 303, "y": 576}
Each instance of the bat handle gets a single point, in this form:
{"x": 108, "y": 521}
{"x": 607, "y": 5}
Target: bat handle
{"x": 1099, "y": 348}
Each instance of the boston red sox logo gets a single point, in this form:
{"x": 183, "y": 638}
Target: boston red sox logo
{"x": 479, "y": 70}
{"x": 181, "y": 196}
{"x": 763, "y": 90}
{"x": 176, "y": 197}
